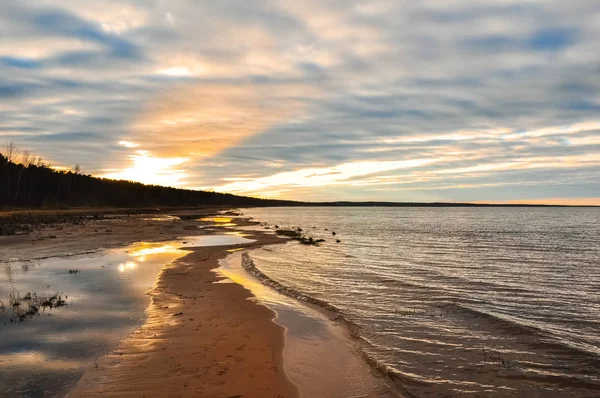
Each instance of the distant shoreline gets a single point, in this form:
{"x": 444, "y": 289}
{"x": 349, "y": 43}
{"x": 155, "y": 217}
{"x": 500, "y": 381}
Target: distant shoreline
{"x": 8, "y": 211}
{"x": 11, "y": 219}
{"x": 429, "y": 204}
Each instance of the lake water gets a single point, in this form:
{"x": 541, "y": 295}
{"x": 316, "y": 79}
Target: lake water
{"x": 455, "y": 301}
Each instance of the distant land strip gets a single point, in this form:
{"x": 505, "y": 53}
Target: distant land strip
{"x": 34, "y": 185}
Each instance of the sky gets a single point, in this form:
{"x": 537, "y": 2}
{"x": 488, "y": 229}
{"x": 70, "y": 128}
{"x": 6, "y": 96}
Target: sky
{"x": 455, "y": 100}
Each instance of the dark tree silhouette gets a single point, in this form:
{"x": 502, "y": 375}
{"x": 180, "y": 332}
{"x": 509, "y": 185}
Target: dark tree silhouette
{"x": 33, "y": 184}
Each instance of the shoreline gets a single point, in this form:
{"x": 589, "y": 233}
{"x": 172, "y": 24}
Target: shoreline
{"x": 342, "y": 327}
{"x": 318, "y": 340}
{"x": 203, "y": 334}
{"x": 203, "y": 338}
{"x": 199, "y": 337}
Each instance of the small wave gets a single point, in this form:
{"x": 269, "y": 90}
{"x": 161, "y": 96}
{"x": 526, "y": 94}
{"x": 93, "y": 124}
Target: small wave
{"x": 399, "y": 380}
{"x": 504, "y": 323}
{"x": 250, "y": 267}
{"x": 545, "y": 339}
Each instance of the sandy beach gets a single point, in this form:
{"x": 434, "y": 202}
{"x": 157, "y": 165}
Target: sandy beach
{"x": 202, "y": 336}
{"x": 200, "y": 339}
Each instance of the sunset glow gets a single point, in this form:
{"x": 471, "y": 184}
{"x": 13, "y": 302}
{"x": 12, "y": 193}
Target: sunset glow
{"x": 175, "y": 174}
{"x": 312, "y": 101}
{"x": 148, "y": 169}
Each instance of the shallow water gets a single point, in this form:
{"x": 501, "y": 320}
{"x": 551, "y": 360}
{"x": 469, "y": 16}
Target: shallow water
{"x": 316, "y": 355}
{"x": 46, "y": 354}
{"x": 450, "y": 301}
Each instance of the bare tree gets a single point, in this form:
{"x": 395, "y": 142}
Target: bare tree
{"x": 11, "y": 152}
{"x": 26, "y": 158}
{"x": 24, "y": 163}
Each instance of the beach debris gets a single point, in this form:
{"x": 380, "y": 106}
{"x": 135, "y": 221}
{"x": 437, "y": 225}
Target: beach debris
{"x": 53, "y": 301}
{"x": 24, "y": 224}
{"x": 20, "y": 308}
{"x": 178, "y": 314}
{"x": 289, "y": 233}
{"x": 296, "y": 234}
{"x": 310, "y": 241}
{"x": 232, "y": 213}
{"x": 337, "y": 241}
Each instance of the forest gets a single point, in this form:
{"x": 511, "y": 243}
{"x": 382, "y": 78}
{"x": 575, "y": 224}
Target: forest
{"x": 27, "y": 182}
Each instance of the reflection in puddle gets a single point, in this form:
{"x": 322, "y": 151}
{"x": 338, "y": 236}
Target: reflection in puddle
{"x": 46, "y": 354}
{"x": 229, "y": 238}
{"x": 163, "y": 217}
{"x": 219, "y": 220}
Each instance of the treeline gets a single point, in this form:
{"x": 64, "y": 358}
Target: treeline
{"x": 28, "y": 182}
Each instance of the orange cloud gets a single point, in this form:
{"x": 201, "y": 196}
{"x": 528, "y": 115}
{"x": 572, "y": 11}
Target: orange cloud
{"x": 203, "y": 120}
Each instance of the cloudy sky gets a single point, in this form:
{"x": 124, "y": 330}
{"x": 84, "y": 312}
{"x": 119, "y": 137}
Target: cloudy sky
{"x": 401, "y": 100}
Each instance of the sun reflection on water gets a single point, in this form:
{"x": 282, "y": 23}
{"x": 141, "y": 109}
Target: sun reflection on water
{"x": 219, "y": 220}
{"x": 129, "y": 265}
{"x": 144, "y": 251}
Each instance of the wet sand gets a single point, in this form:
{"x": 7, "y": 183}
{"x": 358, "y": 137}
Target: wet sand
{"x": 115, "y": 230}
{"x": 200, "y": 338}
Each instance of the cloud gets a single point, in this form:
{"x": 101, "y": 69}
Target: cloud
{"x": 548, "y": 39}
{"x": 496, "y": 92}
{"x": 129, "y": 144}
{"x": 327, "y": 176}
{"x": 58, "y": 22}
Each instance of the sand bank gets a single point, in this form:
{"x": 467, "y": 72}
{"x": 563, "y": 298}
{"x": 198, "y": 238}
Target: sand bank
{"x": 200, "y": 339}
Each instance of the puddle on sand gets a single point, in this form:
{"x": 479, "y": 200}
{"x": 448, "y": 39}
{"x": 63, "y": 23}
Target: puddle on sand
{"x": 162, "y": 217}
{"x": 46, "y": 354}
{"x": 218, "y": 221}
{"x": 316, "y": 351}
{"x": 226, "y": 239}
